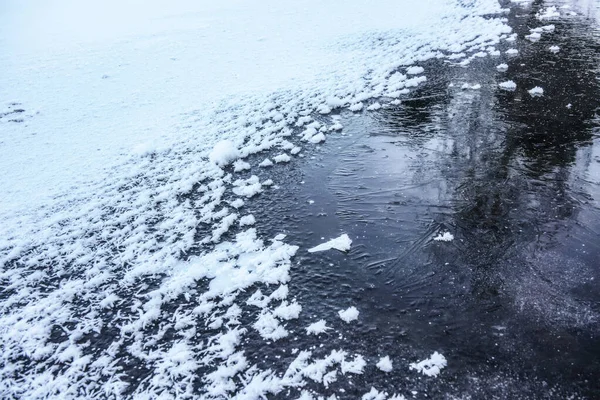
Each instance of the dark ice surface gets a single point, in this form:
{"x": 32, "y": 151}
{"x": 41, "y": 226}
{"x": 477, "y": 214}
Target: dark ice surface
{"x": 513, "y": 302}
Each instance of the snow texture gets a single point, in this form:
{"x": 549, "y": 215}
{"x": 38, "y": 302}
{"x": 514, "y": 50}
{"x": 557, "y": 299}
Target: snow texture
{"x": 341, "y": 243}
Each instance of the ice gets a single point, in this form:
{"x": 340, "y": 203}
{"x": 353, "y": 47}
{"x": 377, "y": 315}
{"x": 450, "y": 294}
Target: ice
{"x": 508, "y": 85}
{"x": 444, "y": 237}
{"x": 341, "y": 243}
{"x": 349, "y": 315}
{"x": 431, "y": 366}
{"x": 317, "y": 327}
{"x": 385, "y": 364}
{"x": 502, "y": 67}
{"x": 223, "y": 153}
{"x": 536, "y": 91}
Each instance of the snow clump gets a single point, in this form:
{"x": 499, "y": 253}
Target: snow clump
{"x": 385, "y": 364}
{"x": 349, "y": 314}
{"x": 431, "y": 366}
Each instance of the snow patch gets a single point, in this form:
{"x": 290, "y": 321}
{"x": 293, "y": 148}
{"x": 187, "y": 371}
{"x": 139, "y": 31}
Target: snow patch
{"x": 341, "y": 243}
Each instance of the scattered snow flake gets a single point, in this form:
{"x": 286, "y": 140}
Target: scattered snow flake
{"x": 536, "y": 91}
{"x": 237, "y": 203}
{"x": 324, "y": 109}
{"x": 247, "y": 188}
{"x": 385, "y": 364}
{"x": 240, "y": 165}
{"x": 317, "y": 327}
{"x": 533, "y": 37}
{"x": 287, "y": 311}
{"x": 548, "y": 28}
{"x": 224, "y": 153}
{"x": 348, "y": 315}
{"x": 548, "y": 13}
{"x": 266, "y": 163}
{"x": 280, "y": 236}
{"x": 268, "y": 182}
{"x": 247, "y": 220}
{"x": 282, "y": 158}
{"x": 269, "y": 328}
{"x": 373, "y": 107}
{"x": 554, "y": 49}
{"x": 341, "y": 243}
{"x": 415, "y": 70}
{"x": 295, "y": 150}
{"x": 355, "y": 107}
{"x": 444, "y": 237}
{"x": 508, "y": 85}
{"x": 502, "y": 67}
{"x": 512, "y": 52}
{"x": 336, "y": 127}
{"x": 431, "y": 366}
{"x": 569, "y": 106}
{"x": 318, "y": 138}
{"x": 355, "y": 366}
{"x": 374, "y": 394}
{"x": 109, "y": 300}
{"x": 471, "y": 87}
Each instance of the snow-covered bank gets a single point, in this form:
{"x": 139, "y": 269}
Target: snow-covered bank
{"x": 147, "y": 261}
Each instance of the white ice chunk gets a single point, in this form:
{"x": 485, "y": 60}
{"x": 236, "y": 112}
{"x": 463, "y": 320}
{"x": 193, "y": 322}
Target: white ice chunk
{"x": 341, "y": 243}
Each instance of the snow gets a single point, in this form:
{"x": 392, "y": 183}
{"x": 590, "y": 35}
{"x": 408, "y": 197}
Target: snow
{"x": 318, "y": 138}
{"x": 385, "y": 364}
{"x": 317, "y": 327}
{"x": 512, "y": 52}
{"x": 508, "y": 85}
{"x": 414, "y": 70}
{"x": 502, "y": 67}
{"x": 266, "y": 163}
{"x": 349, "y": 315}
{"x": 444, "y": 237}
{"x": 554, "y": 49}
{"x": 131, "y": 162}
{"x": 247, "y": 220}
{"x": 431, "y": 366}
{"x": 533, "y": 37}
{"x": 548, "y": 13}
{"x": 536, "y": 91}
{"x": 282, "y": 158}
{"x": 223, "y": 153}
{"x": 341, "y": 243}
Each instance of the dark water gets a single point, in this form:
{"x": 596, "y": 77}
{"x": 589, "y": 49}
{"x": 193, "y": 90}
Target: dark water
{"x": 513, "y": 302}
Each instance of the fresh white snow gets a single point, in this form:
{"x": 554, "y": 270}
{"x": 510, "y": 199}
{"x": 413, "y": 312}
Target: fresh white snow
{"x": 508, "y": 85}
{"x": 536, "y": 91}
